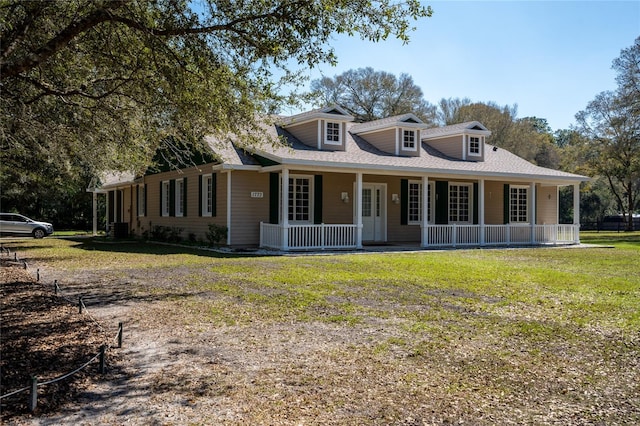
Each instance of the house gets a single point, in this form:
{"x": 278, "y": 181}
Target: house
{"x": 348, "y": 185}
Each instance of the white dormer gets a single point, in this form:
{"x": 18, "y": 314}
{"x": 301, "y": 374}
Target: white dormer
{"x": 464, "y": 141}
{"x": 398, "y": 135}
{"x": 324, "y": 128}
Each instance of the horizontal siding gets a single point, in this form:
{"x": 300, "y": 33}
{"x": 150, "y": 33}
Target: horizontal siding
{"x": 247, "y": 212}
{"x": 493, "y": 202}
{"x": 451, "y": 146}
{"x": 547, "y": 205}
{"x": 384, "y": 140}
{"x": 335, "y": 211}
{"x": 307, "y": 133}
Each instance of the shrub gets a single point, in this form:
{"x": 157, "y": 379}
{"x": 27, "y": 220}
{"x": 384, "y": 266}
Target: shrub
{"x": 216, "y": 234}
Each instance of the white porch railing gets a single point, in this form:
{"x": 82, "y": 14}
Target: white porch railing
{"x": 308, "y": 237}
{"x": 323, "y": 236}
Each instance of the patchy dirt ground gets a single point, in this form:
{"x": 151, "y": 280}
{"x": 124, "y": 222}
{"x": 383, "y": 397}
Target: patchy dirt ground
{"x": 173, "y": 371}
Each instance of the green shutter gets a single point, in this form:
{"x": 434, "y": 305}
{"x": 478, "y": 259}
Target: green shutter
{"x": 442, "y": 202}
{"x": 214, "y": 193}
{"x": 118, "y": 206}
{"x": 199, "y": 195}
{"x": 475, "y": 203}
{"x": 506, "y": 203}
{"x": 172, "y": 197}
{"x": 274, "y": 195}
{"x": 137, "y": 200}
{"x": 184, "y": 197}
{"x": 404, "y": 201}
{"x": 146, "y": 195}
{"x": 317, "y": 199}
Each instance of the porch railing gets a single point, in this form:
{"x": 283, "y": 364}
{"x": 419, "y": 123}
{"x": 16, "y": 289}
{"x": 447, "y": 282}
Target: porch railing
{"x": 308, "y": 237}
{"x": 324, "y": 236}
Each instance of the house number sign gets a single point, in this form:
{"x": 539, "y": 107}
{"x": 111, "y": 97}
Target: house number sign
{"x": 256, "y": 194}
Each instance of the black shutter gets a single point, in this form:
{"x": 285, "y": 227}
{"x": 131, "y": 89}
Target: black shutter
{"x": 442, "y": 202}
{"x": 214, "y": 193}
{"x": 274, "y": 195}
{"x": 184, "y": 197}
{"x": 404, "y": 201}
{"x": 199, "y": 195}
{"x": 317, "y": 199}
{"x": 475, "y": 203}
{"x": 118, "y": 206}
{"x": 137, "y": 200}
{"x": 506, "y": 203}
{"x": 172, "y": 197}
{"x": 146, "y": 194}
{"x": 112, "y": 205}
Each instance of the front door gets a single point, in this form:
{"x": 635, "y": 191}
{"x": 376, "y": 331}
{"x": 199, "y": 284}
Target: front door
{"x": 374, "y": 212}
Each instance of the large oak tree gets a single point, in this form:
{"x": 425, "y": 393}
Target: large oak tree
{"x": 89, "y": 85}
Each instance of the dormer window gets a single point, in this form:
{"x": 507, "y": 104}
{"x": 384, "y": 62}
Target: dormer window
{"x": 409, "y": 140}
{"x": 332, "y": 133}
{"x": 474, "y": 145}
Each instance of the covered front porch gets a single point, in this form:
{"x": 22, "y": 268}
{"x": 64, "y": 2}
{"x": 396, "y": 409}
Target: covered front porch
{"x": 457, "y": 213}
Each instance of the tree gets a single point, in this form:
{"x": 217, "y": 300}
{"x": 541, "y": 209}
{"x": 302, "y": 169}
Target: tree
{"x": 611, "y": 122}
{"x": 95, "y": 85}
{"x": 370, "y": 95}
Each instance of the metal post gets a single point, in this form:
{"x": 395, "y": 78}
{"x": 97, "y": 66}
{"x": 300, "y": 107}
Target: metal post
{"x": 33, "y": 394}
{"x": 38, "y": 274}
{"x": 55, "y": 286}
{"x": 120, "y": 335}
{"x": 102, "y": 358}
{"x": 80, "y": 304}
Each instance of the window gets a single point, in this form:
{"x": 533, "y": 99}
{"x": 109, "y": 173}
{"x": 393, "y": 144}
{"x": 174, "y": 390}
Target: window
{"x": 415, "y": 202}
{"x": 518, "y": 206}
{"x": 332, "y": 133}
{"x": 474, "y": 145}
{"x": 459, "y": 203}
{"x": 409, "y": 140}
{"x": 179, "y": 198}
{"x": 207, "y": 195}
{"x": 142, "y": 197}
{"x": 165, "y": 198}
{"x": 300, "y": 199}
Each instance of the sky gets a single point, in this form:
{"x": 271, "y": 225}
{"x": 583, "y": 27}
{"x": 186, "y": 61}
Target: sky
{"x": 550, "y": 58}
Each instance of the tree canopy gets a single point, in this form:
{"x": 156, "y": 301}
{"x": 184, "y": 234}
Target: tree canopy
{"x": 89, "y": 85}
{"x": 370, "y": 95}
{"x": 611, "y": 126}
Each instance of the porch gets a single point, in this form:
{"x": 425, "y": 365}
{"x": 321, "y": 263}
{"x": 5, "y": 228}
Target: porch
{"x": 346, "y": 236}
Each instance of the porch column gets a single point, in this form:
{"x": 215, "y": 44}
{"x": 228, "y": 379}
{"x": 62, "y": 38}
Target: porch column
{"x": 95, "y": 213}
{"x": 576, "y": 212}
{"x": 532, "y": 211}
{"x": 425, "y": 212}
{"x": 229, "y": 208}
{"x": 481, "y": 219}
{"x": 285, "y": 209}
{"x": 359, "y": 225}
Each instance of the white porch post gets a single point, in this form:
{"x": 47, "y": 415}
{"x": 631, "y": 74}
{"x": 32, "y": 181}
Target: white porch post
{"x": 425, "y": 211}
{"x": 229, "y": 208}
{"x": 95, "y": 213}
{"x": 359, "y": 225}
{"x": 285, "y": 209}
{"x": 481, "y": 219}
{"x": 532, "y": 211}
{"x": 576, "y": 212}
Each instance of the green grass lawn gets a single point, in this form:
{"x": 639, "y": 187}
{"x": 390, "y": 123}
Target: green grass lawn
{"x": 509, "y": 330}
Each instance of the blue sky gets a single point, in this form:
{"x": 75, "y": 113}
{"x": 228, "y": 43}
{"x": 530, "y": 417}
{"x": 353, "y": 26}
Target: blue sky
{"x": 550, "y": 58}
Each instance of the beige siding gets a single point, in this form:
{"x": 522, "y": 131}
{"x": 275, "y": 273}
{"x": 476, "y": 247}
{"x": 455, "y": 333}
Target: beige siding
{"x": 335, "y": 211}
{"x": 494, "y": 202}
{"x": 307, "y": 133}
{"x": 547, "y": 205}
{"x": 192, "y": 223}
{"x": 248, "y": 212}
{"x": 451, "y": 146}
{"x": 384, "y": 140}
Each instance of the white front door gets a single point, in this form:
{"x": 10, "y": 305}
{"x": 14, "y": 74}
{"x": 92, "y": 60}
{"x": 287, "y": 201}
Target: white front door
{"x": 374, "y": 212}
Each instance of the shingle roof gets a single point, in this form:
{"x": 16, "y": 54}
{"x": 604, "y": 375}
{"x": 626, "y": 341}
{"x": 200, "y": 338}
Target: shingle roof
{"x": 451, "y": 129}
{"x": 396, "y": 120}
{"x": 361, "y": 155}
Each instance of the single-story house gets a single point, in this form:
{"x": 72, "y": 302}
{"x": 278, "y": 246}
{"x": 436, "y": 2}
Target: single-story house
{"x": 338, "y": 184}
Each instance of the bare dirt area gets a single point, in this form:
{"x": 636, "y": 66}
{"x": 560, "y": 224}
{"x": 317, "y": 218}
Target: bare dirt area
{"x": 178, "y": 367}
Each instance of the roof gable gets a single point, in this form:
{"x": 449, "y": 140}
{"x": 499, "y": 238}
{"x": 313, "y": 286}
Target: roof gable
{"x": 332, "y": 112}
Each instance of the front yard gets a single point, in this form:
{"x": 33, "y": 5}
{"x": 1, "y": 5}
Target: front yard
{"x": 505, "y": 336}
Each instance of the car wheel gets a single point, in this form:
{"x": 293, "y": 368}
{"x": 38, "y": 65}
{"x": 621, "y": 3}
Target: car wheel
{"x": 38, "y": 233}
